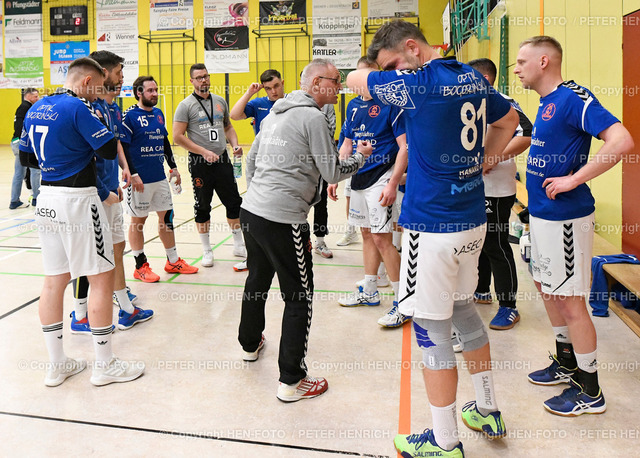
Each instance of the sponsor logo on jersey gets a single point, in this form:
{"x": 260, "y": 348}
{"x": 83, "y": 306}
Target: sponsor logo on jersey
{"x": 394, "y": 93}
{"x": 548, "y": 112}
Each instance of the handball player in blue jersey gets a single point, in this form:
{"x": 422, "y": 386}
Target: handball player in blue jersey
{"x": 258, "y": 108}
{"x": 562, "y": 216}
{"x": 373, "y": 194}
{"x": 66, "y": 134}
{"x": 145, "y": 140}
{"x": 452, "y": 115}
{"x": 111, "y": 196}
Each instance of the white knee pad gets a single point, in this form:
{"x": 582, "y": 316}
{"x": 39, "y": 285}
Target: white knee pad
{"x": 434, "y": 338}
{"x": 468, "y": 325}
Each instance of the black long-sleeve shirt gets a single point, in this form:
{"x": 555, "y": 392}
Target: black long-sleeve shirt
{"x": 18, "y": 119}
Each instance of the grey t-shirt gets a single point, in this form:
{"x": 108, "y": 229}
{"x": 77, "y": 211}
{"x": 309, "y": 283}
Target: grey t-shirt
{"x": 196, "y": 112}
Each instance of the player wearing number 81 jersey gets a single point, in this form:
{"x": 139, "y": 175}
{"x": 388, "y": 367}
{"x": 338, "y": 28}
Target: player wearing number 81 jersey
{"x": 448, "y": 107}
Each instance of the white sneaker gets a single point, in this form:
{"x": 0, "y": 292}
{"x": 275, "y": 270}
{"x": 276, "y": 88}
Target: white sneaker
{"x": 240, "y": 251}
{"x": 393, "y": 318}
{"x": 59, "y": 372}
{"x": 360, "y": 298}
{"x": 308, "y": 387}
{"x": 241, "y": 266}
{"x": 323, "y": 250}
{"x": 382, "y": 282}
{"x": 117, "y": 371}
{"x": 207, "y": 258}
{"x": 348, "y": 238}
{"x": 253, "y": 355}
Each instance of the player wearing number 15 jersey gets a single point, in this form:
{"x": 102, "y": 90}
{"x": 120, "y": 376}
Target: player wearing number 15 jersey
{"x": 448, "y": 107}
{"x": 145, "y": 139}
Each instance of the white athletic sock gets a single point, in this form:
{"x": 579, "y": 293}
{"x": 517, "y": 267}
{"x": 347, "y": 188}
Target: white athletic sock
{"x": 445, "y": 426}
{"x": 53, "y": 341}
{"x": 485, "y": 393}
{"x": 123, "y": 300}
{"x": 172, "y": 254}
{"x": 397, "y": 239}
{"x": 80, "y": 307}
{"x": 319, "y": 241}
{"x": 205, "y": 241}
{"x": 238, "y": 240}
{"x": 102, "y": 345}
{"x": 588, "y": 362}
{"x": 395, "y": 285}
{"x": 136, "y": 253}
{"x": 381, "y": 270}
{"x": 370, "y": 284}
{"x": 562, "y": 334}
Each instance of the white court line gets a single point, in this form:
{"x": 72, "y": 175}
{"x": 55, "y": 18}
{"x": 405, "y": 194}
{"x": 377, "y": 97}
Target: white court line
{"x": 13, "y": 254}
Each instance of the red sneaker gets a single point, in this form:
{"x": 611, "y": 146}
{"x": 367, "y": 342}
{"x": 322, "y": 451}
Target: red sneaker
{"x": 306, "y": 388}
{"x": 180, "y": 267}
{"x": 145, "y": 274}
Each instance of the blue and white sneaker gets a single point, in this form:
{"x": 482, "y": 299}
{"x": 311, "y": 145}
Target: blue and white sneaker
{"x": 82, "y": 326}
{"x": 127, "y": 320}
{"x": 393, "y": 318}
{"x": 506, "y": 318}
{"x": 424, "y": 444}
{"x": 555, "y": 374}
{"x": 360, "y": 298}
{"x": 574, "y": 401}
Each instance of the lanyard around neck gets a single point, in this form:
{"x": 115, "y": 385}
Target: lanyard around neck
{"x": 209, "y": 116}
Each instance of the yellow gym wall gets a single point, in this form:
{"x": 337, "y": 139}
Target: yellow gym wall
{"x": 430, "y": 22}
{"x": 590, "y": 32}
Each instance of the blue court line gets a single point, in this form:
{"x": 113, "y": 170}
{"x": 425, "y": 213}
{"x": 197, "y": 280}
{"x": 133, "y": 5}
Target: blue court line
{"x": 24, "y": 221}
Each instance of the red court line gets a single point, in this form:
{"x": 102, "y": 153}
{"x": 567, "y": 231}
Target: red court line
{"x": 404, "y": 421}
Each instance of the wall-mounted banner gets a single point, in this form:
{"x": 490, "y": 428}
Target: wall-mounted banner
{"x": 226, "y": 49}
{"x": 117, "y": 31}
{"x": 336, "y": 32}
{"x": 225, "y": 13}
{"x": 62, "y": 54}
{"x": 171, "y": 15}
{"x": 396, "y": 8}
{"x": 282, "y": 13}
{"x": 23, "y": 43}
{"x": 4, "y": 82}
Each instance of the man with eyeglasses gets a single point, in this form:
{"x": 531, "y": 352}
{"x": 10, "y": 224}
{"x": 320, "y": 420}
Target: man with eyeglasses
{"x": 291, "y": 155}
{"x": 201, "y": 126}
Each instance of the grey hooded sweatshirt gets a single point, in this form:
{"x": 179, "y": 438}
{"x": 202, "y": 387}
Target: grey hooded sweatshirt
{"x": 293, "y": 149}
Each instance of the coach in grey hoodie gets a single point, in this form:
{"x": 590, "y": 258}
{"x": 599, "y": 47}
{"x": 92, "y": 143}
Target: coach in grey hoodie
{"x": 290, "y": 155}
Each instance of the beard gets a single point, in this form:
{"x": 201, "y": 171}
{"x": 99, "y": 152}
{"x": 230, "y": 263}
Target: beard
{"x": 148, "y": 102}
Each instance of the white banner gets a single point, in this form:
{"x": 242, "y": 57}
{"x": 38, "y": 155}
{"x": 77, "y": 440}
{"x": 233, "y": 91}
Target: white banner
{"x": 227, "y": 61}
{"x": 336, "y": 32}
{"x": 117, "y": 31}
{"x": 23, "y": 51}
{"x": 171, "y": 15}
{"x": 225, "y": 13}
{"x": 343, "y": 51}
{"x": 4, "y": 82}
{"x": 395, "y": 8}
{"x": 336, "y": 16}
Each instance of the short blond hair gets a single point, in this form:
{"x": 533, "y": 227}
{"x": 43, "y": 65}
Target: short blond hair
{"x": 543, "y": 40}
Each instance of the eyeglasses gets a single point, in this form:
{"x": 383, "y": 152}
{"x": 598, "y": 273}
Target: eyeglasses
{"x": 337, "y": 80}
{"x": 200, "y": 79}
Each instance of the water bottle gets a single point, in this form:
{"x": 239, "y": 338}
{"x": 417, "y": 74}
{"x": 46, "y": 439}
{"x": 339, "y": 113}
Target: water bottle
{"x": 237, "y": 166}
{"x": 175, "y": 188}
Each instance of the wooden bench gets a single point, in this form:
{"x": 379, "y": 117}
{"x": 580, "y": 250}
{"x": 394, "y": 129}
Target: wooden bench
{"x": 628, "y": 275}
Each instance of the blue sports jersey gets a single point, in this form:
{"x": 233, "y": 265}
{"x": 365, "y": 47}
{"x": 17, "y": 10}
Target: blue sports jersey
{"x": 567, "y": 119}
{"x": 116, "y": 119}
{"x": 447, "y": 106}
{"x": 379, "y": 124}
{"x": 106, "y": 169}
{"x": 63, "y": 131}
{"x": 144, "y": 132}
{"x": 258, "y": 109}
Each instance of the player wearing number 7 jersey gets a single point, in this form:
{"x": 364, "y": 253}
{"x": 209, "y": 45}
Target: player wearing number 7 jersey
{"x": 452, "y": 115}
